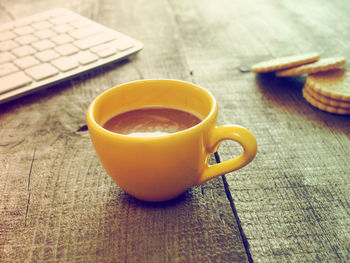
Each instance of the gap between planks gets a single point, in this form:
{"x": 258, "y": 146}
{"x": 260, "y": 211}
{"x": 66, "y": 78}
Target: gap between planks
{"x": 234, "y": 211}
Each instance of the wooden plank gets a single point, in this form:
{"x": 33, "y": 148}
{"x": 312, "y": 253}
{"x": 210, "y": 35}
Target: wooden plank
{"x": 58, "y": 204}
{"x": 293, "y": 200}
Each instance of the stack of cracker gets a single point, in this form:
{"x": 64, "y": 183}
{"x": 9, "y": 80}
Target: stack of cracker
{"x": 327, "y": 86}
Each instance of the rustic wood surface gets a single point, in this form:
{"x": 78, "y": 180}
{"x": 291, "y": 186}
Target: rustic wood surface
{"x": 291, "y": 204}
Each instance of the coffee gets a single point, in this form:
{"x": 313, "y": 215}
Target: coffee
{"x": 149, "y": 122}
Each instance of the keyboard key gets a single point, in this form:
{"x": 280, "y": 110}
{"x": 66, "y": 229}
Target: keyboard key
{"x": 42, "y": 71}
{"x": 47, "y": 55}
{"x": 7, "y": 35}
{"x": 26, "y": 62}
{"x": 67, "y": 49}
{"x": 109, "y": 45}
{"x": 7, "y": 68}
{"x": 14, "y": 81}
{"x": 24, "y": 30}
{"x": 81, "y": 22}
{"x": 26, "y": 39}
{"x": 41, "y": 16}
{"x": 55, "y": 45}
{"x": 65, "y": 64}
{"x": 124, "y": 44}
{"x": 8, "y": 45}
{"x": 86, "y": 58}
{"x": 85, "y": 32}
{"x": 62, "y": 19}
{"x": 23, "y": 22}
{"x": 6, "y": 27}
{"x": 41, "y": 25}
{"x": 23, "y": 51}
{"x": 43, "y": 45}
{"x": 45, "y": 33}
{"x": 6, "y": 57}
{"x": 63, "y": 28}
{"x": 107, "y": 52}
{"x": 94, "y": 40}
{"x": 62, "y": 39}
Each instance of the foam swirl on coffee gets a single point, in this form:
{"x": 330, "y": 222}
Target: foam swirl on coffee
{"x": 150, "y": 122}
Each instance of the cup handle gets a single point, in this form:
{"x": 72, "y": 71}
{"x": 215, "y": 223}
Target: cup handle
{"x": 235, "y": 133}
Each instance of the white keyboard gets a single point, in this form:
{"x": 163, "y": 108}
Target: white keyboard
{"x": 49, "y": 47}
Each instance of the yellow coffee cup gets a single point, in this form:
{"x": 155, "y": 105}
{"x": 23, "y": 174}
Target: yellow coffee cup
{"x": 162, "y": 167}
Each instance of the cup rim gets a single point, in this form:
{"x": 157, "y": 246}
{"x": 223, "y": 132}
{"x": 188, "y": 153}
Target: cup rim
{"x": 125, "y": 136}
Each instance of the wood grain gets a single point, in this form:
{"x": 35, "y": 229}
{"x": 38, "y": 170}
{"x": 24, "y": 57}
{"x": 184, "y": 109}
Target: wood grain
{"x": 293, "y": 200}
{"x": 59, "y": 205}
{"x": 291, "y": 203}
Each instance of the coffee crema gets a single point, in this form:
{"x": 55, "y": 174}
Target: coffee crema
{"x": 150, "y": 122}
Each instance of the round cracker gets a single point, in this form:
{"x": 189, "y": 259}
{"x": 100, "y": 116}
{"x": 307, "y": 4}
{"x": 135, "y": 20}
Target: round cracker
{"x": 284, "y": 62}
{"x": 324, "y": 64}
{"x": 326, "y": 100}
{"x": 314, "y": 102}
{"x": 334, "y": 84}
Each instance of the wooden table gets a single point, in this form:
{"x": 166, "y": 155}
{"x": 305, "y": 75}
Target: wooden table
{"x": 291, "y": 204}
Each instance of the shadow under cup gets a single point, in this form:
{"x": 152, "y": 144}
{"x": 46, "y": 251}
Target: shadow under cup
{"x": 153, "y": 168}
